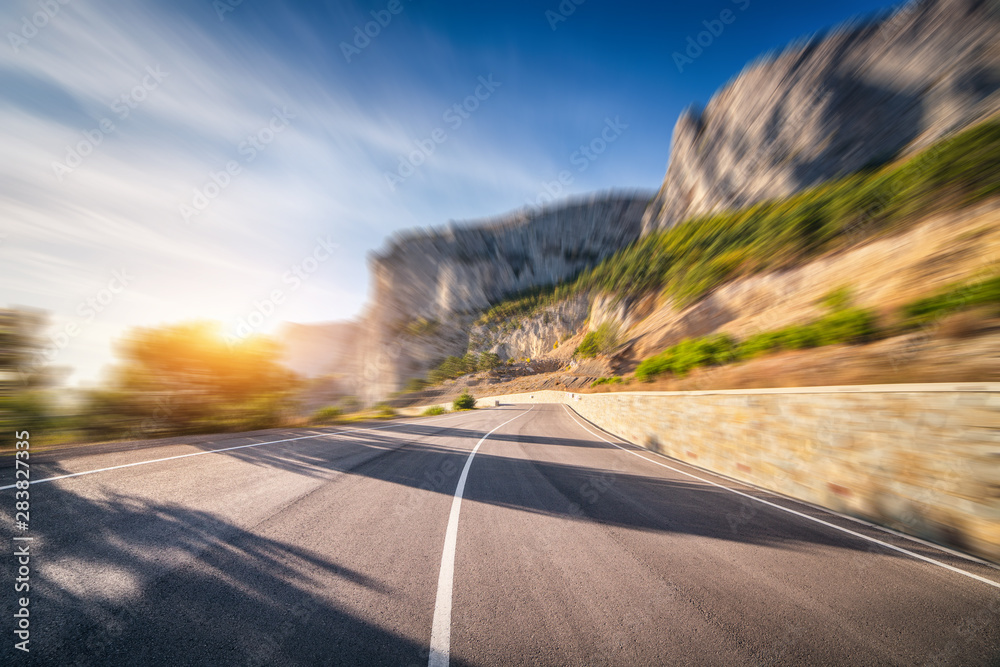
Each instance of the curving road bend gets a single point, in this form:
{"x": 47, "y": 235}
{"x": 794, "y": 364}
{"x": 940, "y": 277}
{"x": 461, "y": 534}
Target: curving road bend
{"x": 563, "y": 546}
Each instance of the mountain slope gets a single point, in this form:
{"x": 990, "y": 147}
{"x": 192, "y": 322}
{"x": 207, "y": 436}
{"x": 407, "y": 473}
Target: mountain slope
{"x": 832, "y": 105}
{"x": 428, "y": 284}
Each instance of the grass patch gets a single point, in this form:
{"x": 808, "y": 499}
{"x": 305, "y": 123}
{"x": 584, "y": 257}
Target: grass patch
{"x": 616, "y": 379}
{"x": 328, "y": 415}
{"x": 954, "y": 297}
{"x": 433, "y": 411}
{"x": 384, "y": 411}
{"x": 852, "y": 325}
{"x": 603, "y": 340}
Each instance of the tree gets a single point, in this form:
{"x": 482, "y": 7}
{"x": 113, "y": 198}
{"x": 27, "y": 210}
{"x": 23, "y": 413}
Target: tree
{"x": 415, "y": 384}
{"x": 24, "y": 357}
{"x": 25, "y": 370}
{"x": 186, "y": 377}
{"x": 488, "y": 361}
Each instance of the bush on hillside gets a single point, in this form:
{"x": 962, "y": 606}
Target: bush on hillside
{"x": 327, "y": 415}
{"x": 952, "y": 298}
{"x": 603, "y": 340}
{"x": 465, "y": 401}
{"x": 415, "y": 384}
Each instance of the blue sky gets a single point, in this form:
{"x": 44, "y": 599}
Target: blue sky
{"x": 165, "y": 161}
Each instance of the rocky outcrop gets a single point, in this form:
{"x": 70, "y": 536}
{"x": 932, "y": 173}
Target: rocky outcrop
{"x": 428, "y": 285}
{"x": 535, "y": 336}
{"x": 861, "y": 94}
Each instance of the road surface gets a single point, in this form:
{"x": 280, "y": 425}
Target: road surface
{"x": 555, "y": 544}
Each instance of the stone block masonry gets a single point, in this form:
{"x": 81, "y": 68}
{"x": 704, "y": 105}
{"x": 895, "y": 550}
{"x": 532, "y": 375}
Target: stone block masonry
{"x": 921, "y": 458}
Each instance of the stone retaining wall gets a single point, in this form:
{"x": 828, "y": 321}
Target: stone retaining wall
{"x": 924, "y": 459}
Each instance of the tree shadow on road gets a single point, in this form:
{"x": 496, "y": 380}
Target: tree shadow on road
{"x": 126, "y": 581}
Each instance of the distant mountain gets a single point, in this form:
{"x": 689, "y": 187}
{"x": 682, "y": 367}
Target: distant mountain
{"x": 427, "y": 285}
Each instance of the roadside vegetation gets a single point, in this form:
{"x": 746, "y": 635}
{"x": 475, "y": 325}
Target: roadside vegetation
{"x": 327, "y": 415}
{"x": 845, "y": 325}
{"x": 694, "y": 257}
{"x": 171, "y": 380}
{"x": 433, "y": 411}
{"x": 385, "y": 411}
{"x": 603, "y": 340}
{"x": 955, "y": 297}
{"x": 465, "y": 401}
{"x": 453, "y": 367}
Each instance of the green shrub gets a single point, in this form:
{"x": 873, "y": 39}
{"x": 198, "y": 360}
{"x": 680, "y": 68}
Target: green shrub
{"x": 465, "y": 401}
{"x": 838, "y": 299}
{"x": 758, "y": 344}
{"x": 384, "y": 411}
{"x": 952, "y": 298}
{"x": 433, "y": 410}
{"x": 421, "y": 327}
{"x": 453, "y": 367}
{"x": 589, "y": 346}
{"x": 687, "y": 355}
{"x": 655, "y": 365}
{"x": 799, "y": 337}
{"x": 327, "y": 415}
{"x": 488, "y": 361}
{"x": 603, "y": 340}
{"x": 854, "y": 325}
{"x": 616, "y": 379}
{"x": 415, "y": 384}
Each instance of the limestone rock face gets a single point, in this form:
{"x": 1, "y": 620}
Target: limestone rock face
{"x": 832, "y": 105}
{"x": 428, "y": 285}
{"x": 535, "y": 336}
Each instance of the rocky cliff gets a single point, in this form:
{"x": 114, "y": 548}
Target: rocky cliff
{"x": 860, "y": 94}
{"x": 428, "y": 285}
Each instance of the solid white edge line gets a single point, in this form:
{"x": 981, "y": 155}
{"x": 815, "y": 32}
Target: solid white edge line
{"x": 215, "y": 451}
{"x": 440, "y": 646}
{"x": 893, "y": 547}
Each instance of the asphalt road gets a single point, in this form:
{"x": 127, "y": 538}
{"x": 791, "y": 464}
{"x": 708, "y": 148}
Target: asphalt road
{"x": 340, "y": 546}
